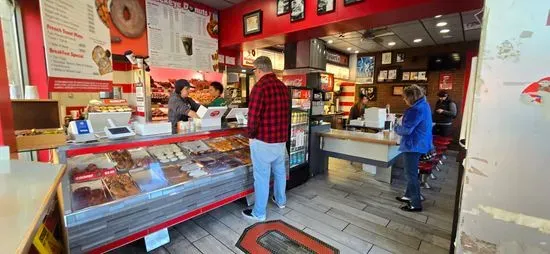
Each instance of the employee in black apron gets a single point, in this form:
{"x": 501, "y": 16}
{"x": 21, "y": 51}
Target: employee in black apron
{"x": 180, "y": 105}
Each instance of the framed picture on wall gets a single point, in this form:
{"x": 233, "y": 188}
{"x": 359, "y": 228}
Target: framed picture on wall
{"x": 252, "y": 23}
{"x": 297, "y": 10}
{"x": 400, "y": 57}
{"x": 398, "y": 90}
{"x": 365, "y": 69}
{"x": 325, "y": 6}
{"x": 382, "y": 76}
{"x": 392, "y": 75}
{"x": 422, "y": 76}
{"x": 283, "y": 7}
{"x": 348, "y": 2}
{"x": 370, "y": 91}
{"x": 414, "y": 76}
{"x": 386, "y": 58}
{"x": 445, "y": 81}
{"x": 406, "y": 76}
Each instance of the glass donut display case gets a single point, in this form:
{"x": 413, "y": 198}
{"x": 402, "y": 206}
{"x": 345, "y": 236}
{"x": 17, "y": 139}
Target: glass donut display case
{"x": 116, "y": 192}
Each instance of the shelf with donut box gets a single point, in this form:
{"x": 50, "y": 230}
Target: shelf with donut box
{"x": 114, "y": 190}
{"x": 37, "y": 125}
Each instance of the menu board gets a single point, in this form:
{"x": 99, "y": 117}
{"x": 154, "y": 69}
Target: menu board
{"x": 77, "y": 45}
{"x": 182, "y": 35}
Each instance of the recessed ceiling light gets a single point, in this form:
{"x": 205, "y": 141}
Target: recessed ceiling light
{"x": 357, "y": 51}
{"x": 440, "y": 24}
{"x": 243, "y": 71}
{"x": 419, "y": 40}
{"x": 330, "y": 41}
{"x": 438, "y": 16}
{"x": 349, "y": 49}
{"x": 444, "y": 31}
{"x": 391, "y": 43}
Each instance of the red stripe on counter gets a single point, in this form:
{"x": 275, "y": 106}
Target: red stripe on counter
{"x": 343, "y": 103}
{"x": 101, "y": 148}
{"x": 347, "y": 94}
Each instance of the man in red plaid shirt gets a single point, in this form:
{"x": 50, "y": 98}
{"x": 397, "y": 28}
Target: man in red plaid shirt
{"x": 268, "y": 129}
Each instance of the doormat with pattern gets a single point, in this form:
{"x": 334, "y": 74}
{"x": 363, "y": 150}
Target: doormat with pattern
{"x": 279, "y": 237}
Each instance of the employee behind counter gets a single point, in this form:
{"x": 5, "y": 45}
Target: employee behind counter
{"x": 180, "y": 105}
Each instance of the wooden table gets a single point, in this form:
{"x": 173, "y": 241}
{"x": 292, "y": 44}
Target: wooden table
{"x": 26, "y": 189}
{"x": 367, "y": 148}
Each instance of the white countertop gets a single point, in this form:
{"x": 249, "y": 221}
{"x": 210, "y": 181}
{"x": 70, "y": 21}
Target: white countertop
{"x": 25, "y": 190}
{"x": 377, "y": 138}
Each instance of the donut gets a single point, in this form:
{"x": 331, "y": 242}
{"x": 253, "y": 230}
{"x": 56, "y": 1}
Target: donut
{"x": 129, "y": 17}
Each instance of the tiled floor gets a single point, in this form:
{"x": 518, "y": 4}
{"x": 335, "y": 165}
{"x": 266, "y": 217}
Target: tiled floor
{"x": 346, "y": 208}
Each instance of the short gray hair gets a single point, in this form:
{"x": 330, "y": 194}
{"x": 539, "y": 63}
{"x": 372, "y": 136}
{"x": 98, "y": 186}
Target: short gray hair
{"x": 263, "y": 63}
{"x": 413, "y": 93}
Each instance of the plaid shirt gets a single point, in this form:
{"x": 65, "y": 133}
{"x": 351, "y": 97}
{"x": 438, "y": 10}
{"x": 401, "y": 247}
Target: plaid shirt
{"x": 269, "y": 110}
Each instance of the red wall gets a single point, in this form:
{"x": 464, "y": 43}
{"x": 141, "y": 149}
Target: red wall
{"x": 7, "y": 136}
{"x": 366, "y": 14}
{"x": 34, "y": 46}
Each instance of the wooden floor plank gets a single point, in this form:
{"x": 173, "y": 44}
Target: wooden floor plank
{"x": 392, "y": 206}
{"x": 441, "y": 224}
{"x": 179, "y": 244}
{"x": 429, "y": 248}
{"x": 358, "y": 213}
{"x": 326, "y": 219}
{"x": 377, "y": 250}
{"x": 344, "y": 238}
{"x": 236, "y": 223}
{"x": 393, "y": 217}
{"x": 297, "y": 197}
{"x": 378, "y": 240}
{"x": 220, "y": 231}
{"x": 191, "y": 230}
{"x": 323, "y": 198}
{"x": 342, "y": 248}
{"x": 377, "y": 229}
{"x": 210, "y": 245}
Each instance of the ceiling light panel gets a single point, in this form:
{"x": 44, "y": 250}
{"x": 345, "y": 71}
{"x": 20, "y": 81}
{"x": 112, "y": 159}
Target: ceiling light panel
{"x": 454, "y": 25}
{"x": 410, "y": 31}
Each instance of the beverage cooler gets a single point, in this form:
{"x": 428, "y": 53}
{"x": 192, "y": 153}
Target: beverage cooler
{"x": 298, "y": 144}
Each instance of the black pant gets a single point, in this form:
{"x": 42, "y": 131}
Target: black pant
{"x": 174, "y": 127}
{"x": 442, "y": 130}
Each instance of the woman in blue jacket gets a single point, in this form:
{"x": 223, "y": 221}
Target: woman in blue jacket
{"x": 415, "y": 130}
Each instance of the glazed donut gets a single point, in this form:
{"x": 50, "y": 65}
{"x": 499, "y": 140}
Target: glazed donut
{"x": 131, "y": 24}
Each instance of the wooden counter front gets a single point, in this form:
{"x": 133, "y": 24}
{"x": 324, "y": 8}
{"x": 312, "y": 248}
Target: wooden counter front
{"x": 376, "y": 138}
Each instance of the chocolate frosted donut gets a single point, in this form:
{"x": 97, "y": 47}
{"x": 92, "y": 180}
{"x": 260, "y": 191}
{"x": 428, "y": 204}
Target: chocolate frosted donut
{"x": 129, "y": 17}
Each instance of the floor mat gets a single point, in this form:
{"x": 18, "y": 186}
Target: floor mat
{"x": 279, "y": 237}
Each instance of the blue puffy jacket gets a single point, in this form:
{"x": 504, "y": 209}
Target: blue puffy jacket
{"x": 416, "y": 128}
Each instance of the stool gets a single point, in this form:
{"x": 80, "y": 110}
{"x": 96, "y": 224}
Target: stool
{"x": 425, "y": 169}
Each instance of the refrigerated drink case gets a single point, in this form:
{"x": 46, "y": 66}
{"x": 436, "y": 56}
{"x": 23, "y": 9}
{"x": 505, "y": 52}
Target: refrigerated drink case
{"x": 300, "y": 125}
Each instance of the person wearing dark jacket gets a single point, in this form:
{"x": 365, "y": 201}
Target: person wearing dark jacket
{"x": 180, "y": 105}
{"x": 358, "y": 109}
{"x": 415, "y": 130}
{"x": 444, "y": 113}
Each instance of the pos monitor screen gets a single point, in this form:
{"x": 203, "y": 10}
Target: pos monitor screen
{"x": 100, "y": 120}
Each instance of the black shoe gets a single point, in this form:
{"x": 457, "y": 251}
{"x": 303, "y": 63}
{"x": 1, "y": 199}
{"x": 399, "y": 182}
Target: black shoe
{"x": 409, "y": 208}
{"x": 403, "y": 199}
{"x": 247, "y": 213}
